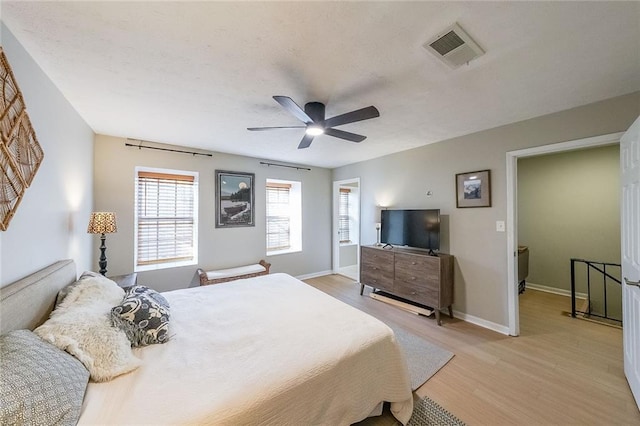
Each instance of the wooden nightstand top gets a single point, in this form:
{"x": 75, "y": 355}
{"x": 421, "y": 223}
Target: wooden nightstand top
{"x": 126, "y": 280}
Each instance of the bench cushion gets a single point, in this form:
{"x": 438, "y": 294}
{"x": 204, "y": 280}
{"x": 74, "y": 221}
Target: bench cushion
{"x": 234, "y": 272}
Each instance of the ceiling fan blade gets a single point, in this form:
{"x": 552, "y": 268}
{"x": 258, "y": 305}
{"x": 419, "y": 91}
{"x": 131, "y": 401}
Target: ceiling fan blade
{"x": 353, "y": 116}
{"x": 288, "y": 104}
{"x": 274, "y": 128}
{"x": 352, "y": 137}
{"x": 306, "y": 141}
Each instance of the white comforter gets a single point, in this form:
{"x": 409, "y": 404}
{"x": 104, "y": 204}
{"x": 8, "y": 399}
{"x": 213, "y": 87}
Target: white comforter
{"x": 266, "y": 350}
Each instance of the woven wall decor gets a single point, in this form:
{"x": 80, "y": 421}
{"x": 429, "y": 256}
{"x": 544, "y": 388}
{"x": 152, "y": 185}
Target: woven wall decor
{"x": 20, "y": 152}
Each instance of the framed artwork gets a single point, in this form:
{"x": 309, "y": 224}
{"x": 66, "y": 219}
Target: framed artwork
{"x": 473, "y": 189}
{"x": 20, "y": 152}
{"x": 234, "y": 199}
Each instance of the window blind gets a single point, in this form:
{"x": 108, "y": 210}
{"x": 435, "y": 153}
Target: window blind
{"x": 165, "y": 211}
{"x": 343, "y": 216}
{"x": 278, "y": 216}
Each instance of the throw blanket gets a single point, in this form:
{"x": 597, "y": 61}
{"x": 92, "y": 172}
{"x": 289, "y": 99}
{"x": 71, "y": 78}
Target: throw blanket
{"x": 266, "y": 350}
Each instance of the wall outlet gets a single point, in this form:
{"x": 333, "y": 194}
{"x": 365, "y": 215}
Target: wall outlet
{"x": 500, "y": 227}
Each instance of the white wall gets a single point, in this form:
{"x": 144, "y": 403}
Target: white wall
{"x": 51, "y": 221}
{"x": 218, "y": 248}
{"x": 401, "y": 181}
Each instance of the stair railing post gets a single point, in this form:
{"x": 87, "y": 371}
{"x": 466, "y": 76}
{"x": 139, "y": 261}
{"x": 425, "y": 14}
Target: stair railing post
{"x": 573, "y": 288}
{"x": 604, "y": 284}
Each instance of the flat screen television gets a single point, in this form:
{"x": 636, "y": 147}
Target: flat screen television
{"x": 413, "y": 228}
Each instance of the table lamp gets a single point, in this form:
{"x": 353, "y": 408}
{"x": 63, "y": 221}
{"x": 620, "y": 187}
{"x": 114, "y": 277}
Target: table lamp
{"x": 102, "y": 223}
{"x": 378, "y": 226}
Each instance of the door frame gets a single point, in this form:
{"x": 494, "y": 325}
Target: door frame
{"x": 512, "y": 210}
{"x": 335, "y": 241}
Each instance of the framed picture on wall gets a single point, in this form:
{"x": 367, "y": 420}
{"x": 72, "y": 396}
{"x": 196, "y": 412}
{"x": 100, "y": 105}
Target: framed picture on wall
{"x": 473, "y": 189}
{"x": 234, "y": 199}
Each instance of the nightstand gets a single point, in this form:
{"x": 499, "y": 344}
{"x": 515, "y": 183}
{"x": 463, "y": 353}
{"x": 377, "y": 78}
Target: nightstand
{"x": 126, "y": 280}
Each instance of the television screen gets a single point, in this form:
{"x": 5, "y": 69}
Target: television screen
{"x": 413, "y": 228}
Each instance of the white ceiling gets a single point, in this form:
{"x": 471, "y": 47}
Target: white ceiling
{"x": 198, "y": 74}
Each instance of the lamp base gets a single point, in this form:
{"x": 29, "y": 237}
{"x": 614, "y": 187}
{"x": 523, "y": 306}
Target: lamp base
{"x": 103, "y": 256}
{"x": 378, "y": 243}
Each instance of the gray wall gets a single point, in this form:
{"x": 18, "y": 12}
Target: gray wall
{"x": 348, "y": 255}
{"x": 218, "y": 248}
{"x": 51, "y": 221}
{"x": 402, "y": 180}
{"x": 569, "y": 207}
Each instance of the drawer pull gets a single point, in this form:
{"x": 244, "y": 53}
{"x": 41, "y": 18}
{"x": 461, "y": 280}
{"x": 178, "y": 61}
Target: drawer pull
{"x": 413, "y": 263}
{"x": 413, "y": 278}
{"x": 413, "y": 293}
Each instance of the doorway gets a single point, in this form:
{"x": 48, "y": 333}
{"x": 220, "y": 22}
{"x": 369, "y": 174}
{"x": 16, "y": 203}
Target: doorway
{"x": 346, "y": 228}
{"x": 512, "y": 224}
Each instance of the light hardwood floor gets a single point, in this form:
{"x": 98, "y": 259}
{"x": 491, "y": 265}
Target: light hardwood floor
{"x": 559, "y": 371}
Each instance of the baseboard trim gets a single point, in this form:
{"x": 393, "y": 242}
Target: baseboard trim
{"x": 553, "y": 290}
{"x": 315, "y": 275}
{"x": 498, "y": 328}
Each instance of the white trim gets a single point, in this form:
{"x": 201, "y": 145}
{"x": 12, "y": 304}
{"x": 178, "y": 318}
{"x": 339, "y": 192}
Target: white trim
{"x": 459, "y": 315}
{"x": 512, "y": 205}
{"x": 554, "y": 290}
{"x": 335, "y": 242}
{"x": 498, "y": 328}
{"x": 294, "y": 213}
{"x": 512, "y": 255}
{"x": 196, "y": 203}
{"x": 283, "y": 251}
{"x": 315, "y": 275}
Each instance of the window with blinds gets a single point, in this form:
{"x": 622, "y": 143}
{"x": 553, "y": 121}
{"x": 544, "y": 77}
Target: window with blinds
{"x": 343, "y": 216}
{"x": 278, "y": 216}
{"x": 166, "y": 218}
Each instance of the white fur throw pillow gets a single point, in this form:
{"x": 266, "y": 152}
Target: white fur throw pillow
{"x": 81, "y": 325}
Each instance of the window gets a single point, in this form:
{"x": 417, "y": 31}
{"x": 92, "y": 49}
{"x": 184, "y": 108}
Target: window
{"x": 284, "y": 216}
{"x": 343, "y": 216}
{"x": 166, "y": 219}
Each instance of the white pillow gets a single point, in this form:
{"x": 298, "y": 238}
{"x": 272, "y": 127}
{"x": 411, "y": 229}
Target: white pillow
{"x": 81, "y": 325}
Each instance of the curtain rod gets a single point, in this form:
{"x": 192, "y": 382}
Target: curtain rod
{"x": 139, "y": 146}
{"x": 284, "y": 165}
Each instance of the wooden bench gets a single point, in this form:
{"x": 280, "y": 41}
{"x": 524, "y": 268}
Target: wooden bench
{"x": 230, "y": 274}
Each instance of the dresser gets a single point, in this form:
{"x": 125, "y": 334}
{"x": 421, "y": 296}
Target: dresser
{"x": 411, "y": 274}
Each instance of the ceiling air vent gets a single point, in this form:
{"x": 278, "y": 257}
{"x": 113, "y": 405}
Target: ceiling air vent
{"x": 454, "y": 47}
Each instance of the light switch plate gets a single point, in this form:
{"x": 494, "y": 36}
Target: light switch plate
{"x": 500, "y": 227}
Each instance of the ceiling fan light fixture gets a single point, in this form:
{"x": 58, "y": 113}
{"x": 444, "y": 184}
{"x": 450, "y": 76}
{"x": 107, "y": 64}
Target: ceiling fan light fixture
{"x": 315, "y": 123}
{"x": 314, "y": 130}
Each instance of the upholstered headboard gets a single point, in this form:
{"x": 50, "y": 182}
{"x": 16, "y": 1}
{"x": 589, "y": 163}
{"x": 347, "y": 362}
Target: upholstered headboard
{"x": 28, "y": 302}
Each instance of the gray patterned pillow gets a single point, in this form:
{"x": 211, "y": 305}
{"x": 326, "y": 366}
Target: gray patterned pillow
{"x": 143, "y": 315}
{"x": 39, "y": 383}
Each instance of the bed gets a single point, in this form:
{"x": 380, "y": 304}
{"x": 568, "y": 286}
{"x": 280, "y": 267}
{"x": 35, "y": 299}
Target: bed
{"x": 264, "y": 350}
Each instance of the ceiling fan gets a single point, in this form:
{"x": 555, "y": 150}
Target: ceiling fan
{"x": 316, "y": 124}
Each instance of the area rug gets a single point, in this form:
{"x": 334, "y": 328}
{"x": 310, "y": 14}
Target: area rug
{"x": 427, "y": 412}
{"x": 424, "y": 359}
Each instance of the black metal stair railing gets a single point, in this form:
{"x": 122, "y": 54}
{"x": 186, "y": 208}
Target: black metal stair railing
{"x": 607, "y": 279}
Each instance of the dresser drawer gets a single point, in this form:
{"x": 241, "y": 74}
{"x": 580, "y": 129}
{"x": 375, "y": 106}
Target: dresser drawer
{"x": 408, "y": 262}
{"x": 378, "y": 258}
{"x": 376, "y": 280}
{"x": 423, "y": 295}
{"x": 412, "y": 278}
{"x": 409, "y": 291}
